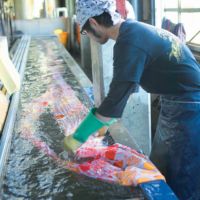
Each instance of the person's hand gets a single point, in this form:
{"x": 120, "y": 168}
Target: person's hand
{"x": 71, "y": 144}
{"x": 92, "y": 123}
{"x": 88, "y": 126}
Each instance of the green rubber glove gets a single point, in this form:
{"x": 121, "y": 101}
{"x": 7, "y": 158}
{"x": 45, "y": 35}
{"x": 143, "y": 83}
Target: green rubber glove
{"x": 90, "y": 125}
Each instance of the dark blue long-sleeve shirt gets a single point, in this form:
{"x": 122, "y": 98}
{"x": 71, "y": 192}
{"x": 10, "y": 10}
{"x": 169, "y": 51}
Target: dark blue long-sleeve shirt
{"x": 150, "y": 57}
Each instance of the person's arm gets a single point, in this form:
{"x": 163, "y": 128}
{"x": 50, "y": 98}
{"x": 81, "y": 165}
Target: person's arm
{"x": 115, "y": 102}
{"x": 88, "y": 126}
{"x": 112, "y": 107}
{"x": 127, "y": 71}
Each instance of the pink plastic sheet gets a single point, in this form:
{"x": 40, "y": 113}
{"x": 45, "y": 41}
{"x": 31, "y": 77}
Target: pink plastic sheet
{"x": 115, "y": 164}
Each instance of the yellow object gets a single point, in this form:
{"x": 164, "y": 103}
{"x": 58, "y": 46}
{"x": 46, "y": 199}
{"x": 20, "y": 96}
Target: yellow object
{"x": 102, "y": 131}
{"x": 71, "y": 144}
{"x": 62, "y": 36}
{"x": 58, "y": 31}
{"x": 149, "y": 166}
{"x": 3, "y": 90}
{"x": 3, "y": 109}
{"x": 9, "y": 75}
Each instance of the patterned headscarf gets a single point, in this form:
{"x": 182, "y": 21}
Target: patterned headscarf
{"x": 90, "y": 8}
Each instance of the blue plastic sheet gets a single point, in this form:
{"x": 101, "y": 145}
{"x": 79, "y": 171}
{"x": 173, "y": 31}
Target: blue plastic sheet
{"x": 158, "y": 190}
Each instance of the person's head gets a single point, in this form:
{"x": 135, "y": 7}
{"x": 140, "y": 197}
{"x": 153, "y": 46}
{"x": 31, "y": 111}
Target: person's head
{"x": 94, "y": 16}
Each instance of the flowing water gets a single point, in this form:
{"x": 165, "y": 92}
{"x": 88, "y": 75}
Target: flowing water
{"x": 33, "y": 169}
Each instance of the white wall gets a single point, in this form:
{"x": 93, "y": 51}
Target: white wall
{"x": 159, "y": 9}
{"x": 40, "y": 26}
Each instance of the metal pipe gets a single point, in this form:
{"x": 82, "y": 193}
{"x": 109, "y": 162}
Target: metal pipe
{"x": 135, "y": 5}
{"x": 10, "y": 120}
{"x": 16, "y": 57}
{"x": 140, "y": 10}
{"x": 179, "y": 11}
{"x": 182, "y": 10}
{"x": 153, "y": 12}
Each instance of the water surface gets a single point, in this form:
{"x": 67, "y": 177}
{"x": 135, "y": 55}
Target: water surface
{"x": 31, "y": 173}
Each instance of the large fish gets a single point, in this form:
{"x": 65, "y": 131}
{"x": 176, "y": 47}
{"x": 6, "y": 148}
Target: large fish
{"x": 116, "y": 163}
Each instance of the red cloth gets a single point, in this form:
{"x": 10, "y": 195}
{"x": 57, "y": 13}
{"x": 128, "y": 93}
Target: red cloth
{"x": 116, "y": 163}
{"x": 121, "y": 7}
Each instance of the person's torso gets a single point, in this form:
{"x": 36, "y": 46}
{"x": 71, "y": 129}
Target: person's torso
{"x": 169, "y": 66}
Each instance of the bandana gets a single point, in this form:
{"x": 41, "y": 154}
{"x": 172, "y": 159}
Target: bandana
{"x": 90, "y": 8}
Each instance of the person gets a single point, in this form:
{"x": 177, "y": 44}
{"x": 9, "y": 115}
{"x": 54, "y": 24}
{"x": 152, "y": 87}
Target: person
{"x": 157, "y": 61}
